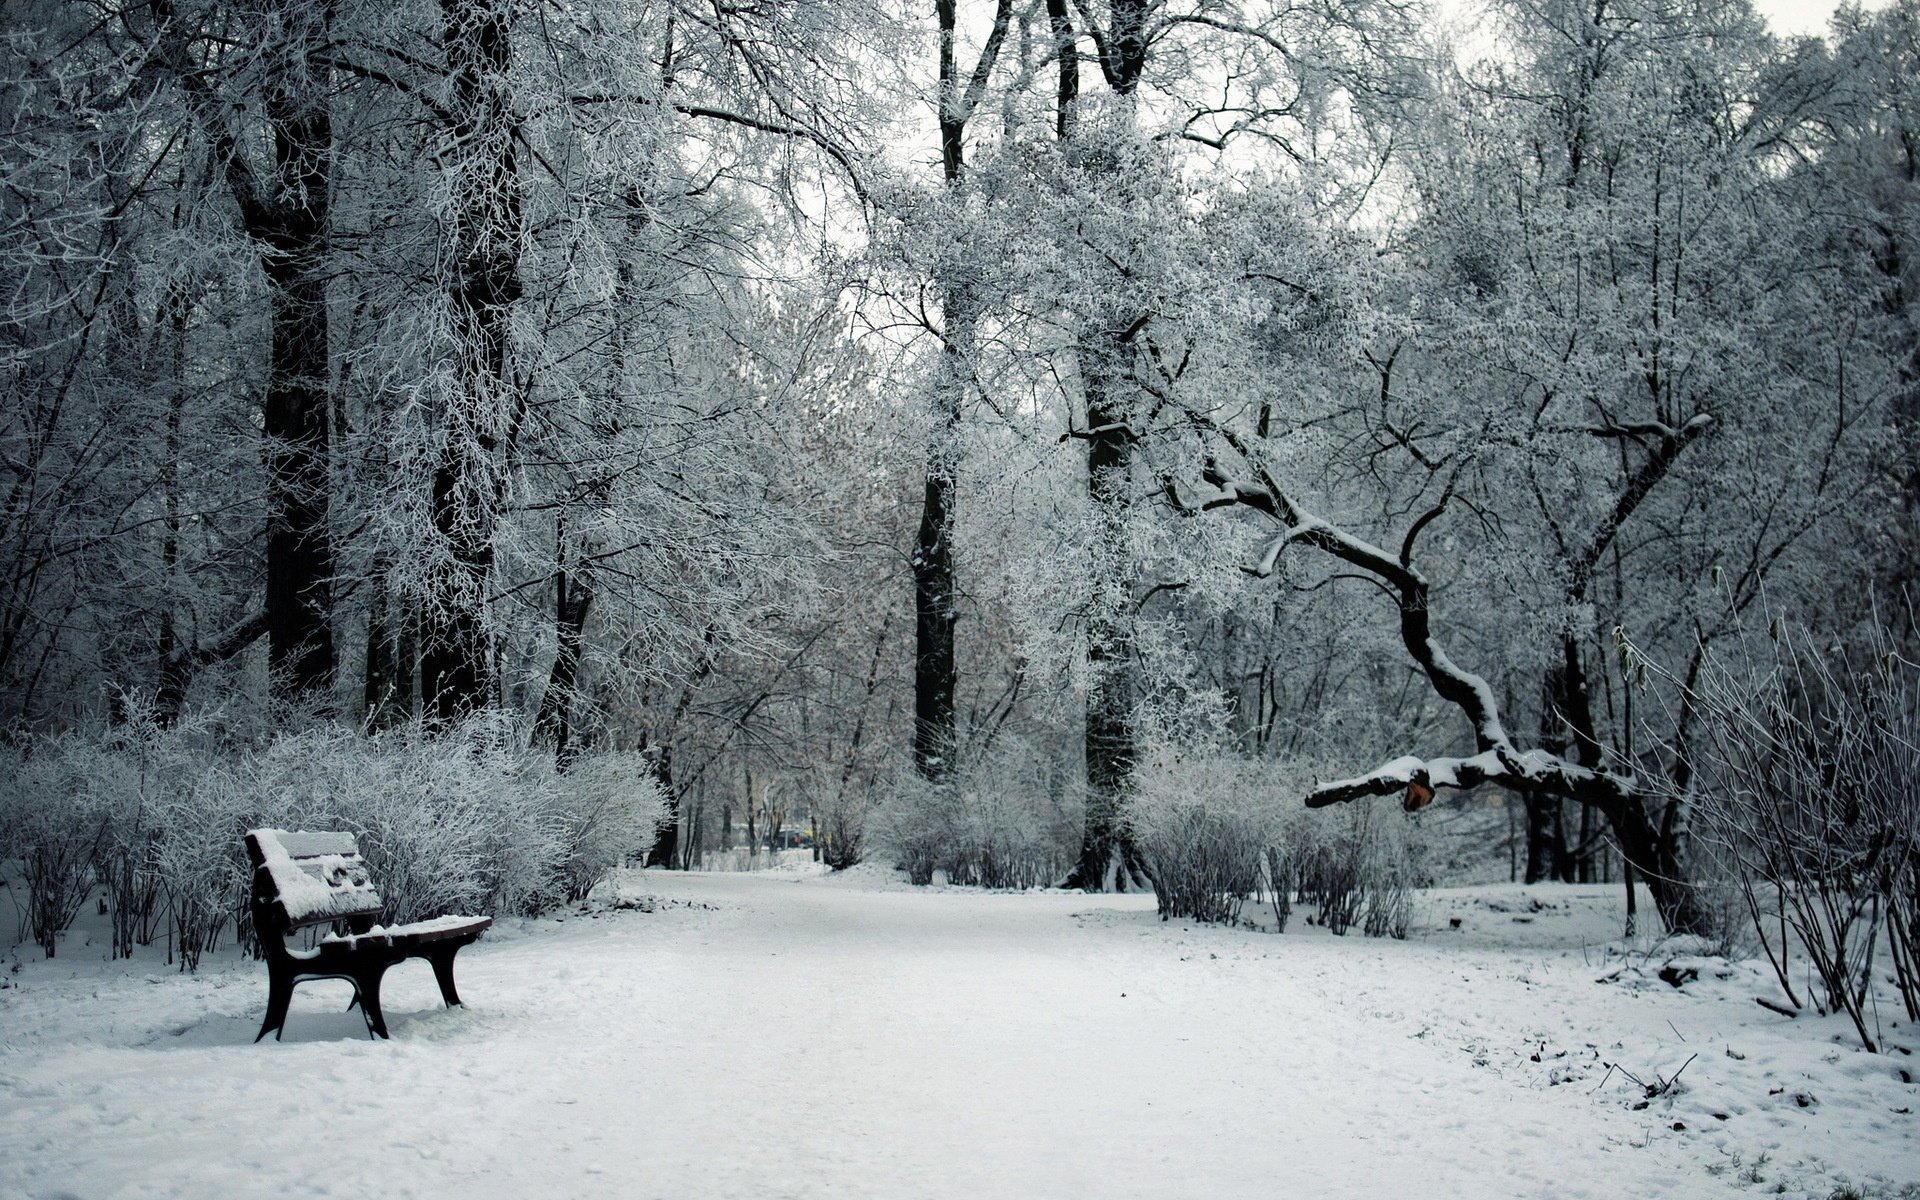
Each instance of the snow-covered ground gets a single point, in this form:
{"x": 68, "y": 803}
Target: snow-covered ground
{"x": 787, "y": 1035}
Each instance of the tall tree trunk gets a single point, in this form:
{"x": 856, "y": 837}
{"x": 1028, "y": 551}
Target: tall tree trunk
{"x": 1567, "y": 706}
{"x": 285, "y": 212}
{"x": 300, "y": 650}
{"x": 935, "y": 670}
{"x": 386, "y": 693}
{"x": 935, "y": 674}
{"x": 171, "y": 696}
{"x": 1108, "y": 858}
{"x": 481, "y": 255}
{"x": 290, "y": 222}
{"x": 665, "y": 851}
{"x": 573, "y": 599}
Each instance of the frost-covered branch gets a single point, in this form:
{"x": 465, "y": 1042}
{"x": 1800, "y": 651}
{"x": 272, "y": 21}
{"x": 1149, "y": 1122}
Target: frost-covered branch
{"x": 1497, "y": 758}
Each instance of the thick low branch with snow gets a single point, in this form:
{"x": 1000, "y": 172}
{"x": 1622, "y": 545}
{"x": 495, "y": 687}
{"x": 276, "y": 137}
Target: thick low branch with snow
{"x": 1497, "y": 759}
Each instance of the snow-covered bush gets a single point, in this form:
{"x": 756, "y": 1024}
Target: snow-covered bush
{"x": 842, "y": 804}
{"x": 1202, "y": 823}
{"x": 914, "y": 825}
{"x": 198, "y": 860}
{"x": 611, "y": 807}
{"x": 1358, "y": 863}
{"x": 1001, "y": 823}
{"x": 57, "y": 817}
{"x": 842, "y": 831}
{"x": 471, "y": 820}
{"x": 459, "y": 822}
{"x": 1804, "y": 763}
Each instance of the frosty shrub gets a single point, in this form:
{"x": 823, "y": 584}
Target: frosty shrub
{"x": 472, "y": 820}
{"x": 1356, "y": 863}
{"x": 1000, "y": 823}
{"x": 144, "y": 769}
{"x": 460, "y": 822}
{"x": 842, "y": 804}
{"x": 1203, "y": 823}
{"x": 57, "y": 815}
{"x": 916, "y": 825}
{"x": 1804, "y": 767}
{"x": 842, "y": 830}
{"x": 611, "y": 807}
{"x": 469, "y": 821}
{"x": 197, "y": 858}
{"x": 115, "y": 809}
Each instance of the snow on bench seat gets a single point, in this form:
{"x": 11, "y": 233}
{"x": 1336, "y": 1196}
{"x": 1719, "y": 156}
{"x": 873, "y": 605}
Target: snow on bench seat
{"x": 418, "y": 931}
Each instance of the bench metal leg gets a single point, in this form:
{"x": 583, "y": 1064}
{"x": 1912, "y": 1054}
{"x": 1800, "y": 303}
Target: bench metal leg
{"x": 442, "y": 961}
{"x": 367, "y": 983}
{"x": 279, "y": 996}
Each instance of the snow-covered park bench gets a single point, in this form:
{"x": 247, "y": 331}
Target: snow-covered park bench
{"x": 302, "y": 879}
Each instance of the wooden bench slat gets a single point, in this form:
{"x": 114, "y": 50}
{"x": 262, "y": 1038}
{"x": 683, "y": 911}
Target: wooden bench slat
{"x": 303, "y": 844}
{"x": 325, "y": 881}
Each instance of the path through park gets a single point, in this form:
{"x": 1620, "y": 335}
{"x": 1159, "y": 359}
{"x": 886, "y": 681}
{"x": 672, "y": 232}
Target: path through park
{"x": 787, "y": 1036}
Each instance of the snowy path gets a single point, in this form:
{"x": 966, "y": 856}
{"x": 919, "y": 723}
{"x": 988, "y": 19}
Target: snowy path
{"x": 767, "y": 1037}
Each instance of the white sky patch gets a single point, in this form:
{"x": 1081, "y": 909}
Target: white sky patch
{"x": 1791, "y": 18}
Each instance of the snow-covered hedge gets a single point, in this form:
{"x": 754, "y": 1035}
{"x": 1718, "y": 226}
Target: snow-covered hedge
{"x": 469, "y": 821}
{"x": 1202, "y": 824}
{"x": 1359, "y": 863}
{"x": 1000, "y": 823}
{"x": 1217, "y": 830}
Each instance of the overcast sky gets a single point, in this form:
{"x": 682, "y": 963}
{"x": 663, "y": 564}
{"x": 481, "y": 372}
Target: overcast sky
{"x": 1799, "y": 16}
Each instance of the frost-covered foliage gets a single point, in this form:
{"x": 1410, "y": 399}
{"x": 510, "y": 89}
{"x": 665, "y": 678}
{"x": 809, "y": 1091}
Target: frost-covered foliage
{"x": 1805, "y": 760}
{"x": 610, "y": 806}
{"x": 1359, "y": 864}
{"x": 1217, "y": 830}
{"x": 1005, "y": 822}
{"x": 841, "y": 806}
{"x": 468, "y": 821}
{"x": 54, "y": 825}
{"x": 1202, "y": 824}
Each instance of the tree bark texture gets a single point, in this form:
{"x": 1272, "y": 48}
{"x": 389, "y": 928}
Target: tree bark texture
{"x": 481, "y": 255}
{"x": 573, "y": 599}
{"x": 1108, "y": 858}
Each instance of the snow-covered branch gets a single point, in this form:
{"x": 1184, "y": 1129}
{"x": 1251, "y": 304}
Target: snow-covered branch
{"x": 1497, "y": 759}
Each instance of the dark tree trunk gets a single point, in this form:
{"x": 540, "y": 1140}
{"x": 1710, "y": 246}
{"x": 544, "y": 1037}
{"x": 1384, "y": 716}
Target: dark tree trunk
{"x": 286, "y": 216}
{"x": 171, "y": 696}
{"x": 387, "y": 692}
{"x": 666, "y": 848}
{"x": 1546, "y": 850}
{"x": 1067, "y": 60}
{"x": 935, "y": 670}
{"x": 935, "y": 673}
{"x": 290, "y": 222}
{"x": 1651, "y": 849}
{"x": 380, "y": 680}
{"x": 1567, "y": 719}
{"x": 1107, "y": 855}
{"x": 573, "y": 598}
{"x": 481, "y": 265}
{"x": 679, "y": 839}
{"x": 300, "y": 650}
{"x": 1652, "y": 853}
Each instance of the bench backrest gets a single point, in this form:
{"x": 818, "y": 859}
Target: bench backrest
{"x": 307, "y": 878}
